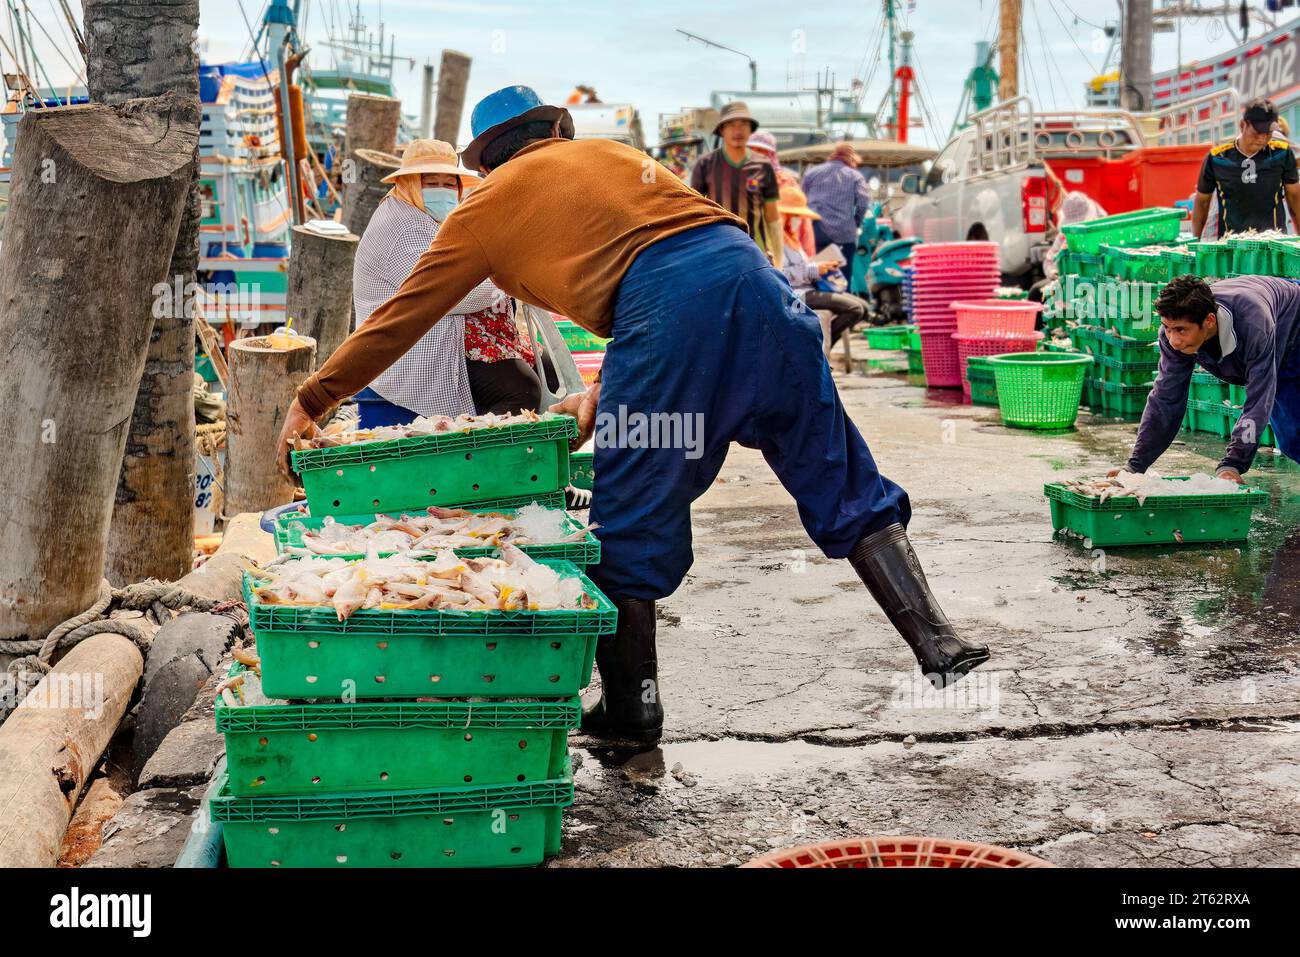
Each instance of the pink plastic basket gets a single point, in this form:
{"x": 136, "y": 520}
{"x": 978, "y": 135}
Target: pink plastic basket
{"x": 939, "y": 357}
{"x": 968, "y": 346}
{"x": 996, "y": 317}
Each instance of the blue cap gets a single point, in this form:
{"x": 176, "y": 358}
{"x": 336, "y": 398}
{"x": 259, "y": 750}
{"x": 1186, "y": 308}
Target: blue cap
{"x": 504, "y": 110}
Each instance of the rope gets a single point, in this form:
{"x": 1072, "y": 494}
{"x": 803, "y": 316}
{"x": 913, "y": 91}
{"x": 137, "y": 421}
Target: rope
{"x": 156, "y": 599}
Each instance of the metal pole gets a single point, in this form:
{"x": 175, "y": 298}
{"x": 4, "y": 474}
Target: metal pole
{"x": 1135, "y": 57}
{"x": 426, "y": 103}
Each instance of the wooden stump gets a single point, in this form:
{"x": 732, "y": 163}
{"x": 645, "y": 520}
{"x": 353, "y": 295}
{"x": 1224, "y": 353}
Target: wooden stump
{"x": 453, "y": 79}
{"x": 51, "y": 743}
{"x": 372, "y": 123}
{"x": 263, "y": 382}
{"x": 319, "y": 297}
{"x": 93, "y": 217}
{"x": 364, "y": 192}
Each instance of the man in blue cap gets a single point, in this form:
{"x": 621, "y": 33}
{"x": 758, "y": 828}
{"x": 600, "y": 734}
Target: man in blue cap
{"x": 705, "y": 332}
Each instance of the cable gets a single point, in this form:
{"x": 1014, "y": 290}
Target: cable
{"x": 1070, "y": 34}
{"x": 1079, "y": 18}
{"x": 1042, "y": 49}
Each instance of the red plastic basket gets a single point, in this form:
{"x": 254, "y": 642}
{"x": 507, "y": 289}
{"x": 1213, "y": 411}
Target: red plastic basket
{"x": 898, "y": 852}
{"x": 996, "y": 317}
{"x": 926, "y": 250}
{"x": 968, "y": 346}
{"x": 939, "y": 357}
{"x": 588, "y": 364}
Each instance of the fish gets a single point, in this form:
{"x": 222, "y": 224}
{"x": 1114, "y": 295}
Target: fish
{"x": 346, "y": 432}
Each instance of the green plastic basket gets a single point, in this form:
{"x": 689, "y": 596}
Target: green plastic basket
{"x": 509, "y": 825}
{"x": 915, "y": 366}
{"x": 1070, "y": 263}
{"x": 1213, "y": 258}
{"x": 307, "y": 652}
{"x": 888, "y": 337}
{"x": 1207, "y": 387}
{"x": 1179, "y": 261}
{"x": 1160, "y": 520}
{"x": 983, "y": 381}
{"x": 579, "y": 339}
{"x": 1134, "y": 265}
{"x": 1127, "y": 373}
{"x": 446, "y": 469}
{"x": 1039, "y": 390}
{"x": 584, "y": 552}
{"x": 1124, "y": 401}
{"x": 1143, "y": 226}
{"x": 1219, "y": 419}
{"x": 1099, "y": 342}
{"x": 1251, "y": 257}
{"x": 582, "y": 469}
{"x": 283, "y": 749}
{"x": 1286, "y": 258}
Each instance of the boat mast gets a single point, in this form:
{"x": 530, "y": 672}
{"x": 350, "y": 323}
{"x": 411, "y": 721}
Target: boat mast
{"x": 1009, "y": 50}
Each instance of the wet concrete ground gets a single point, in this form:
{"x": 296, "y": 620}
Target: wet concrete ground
{"x": 1142, "y": 706}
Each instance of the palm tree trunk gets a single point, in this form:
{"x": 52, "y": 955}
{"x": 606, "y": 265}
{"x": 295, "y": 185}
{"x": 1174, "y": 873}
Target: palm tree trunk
{"x": 141, "y": 48}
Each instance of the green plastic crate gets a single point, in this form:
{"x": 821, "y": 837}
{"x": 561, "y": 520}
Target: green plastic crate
{"x": 1122, "y": 521}
{"x": 509, "y": 825}
{"x": 1236, "y": 395}
{"x": 307, "y": 652}
{"x": 1143, "y": 226}
{"x": 887, "y": 337}
{"x": 1207, "y": 387}
{"x": 1091, "y": 395}
{"x": 446, "y": 469}
{"x": 1286, "y": 258}
{"x": 1070, "y": 263}
{"x": 579, "y": 339}
{"x": 914, "y": 364}
{"x": 1128, "y": 373}
{"x": 983, "y": 381}
{"x": 1039, "y": 390}
{"x": 584, "y": 552}
{"x": 1213, "y": 258}
{"x": 1251, "y": 257}
{"x": 283, "y": 749}
{"x": 1124, "y": 401}
{"x": 1133, "y": 265}
{"x": 1219, "y": 419}
{"x": 1179, "y": 261}
{"x": 1099, "y": 342}
{"x": 582, "y": 470}
{"x": 1125, "y": 306}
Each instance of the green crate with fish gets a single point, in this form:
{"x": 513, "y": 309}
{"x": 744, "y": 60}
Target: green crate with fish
{"x": 1124, "y": 401}
{"x": 1220, "y": 418}
{"x": 1097, "y": 341}
{"x": 404, "y": 627}
{"x": 1207, "y": 387}
{"x": 536, "y": 530}
{"x": 1140, "y": 227}
{"x": 1142, "y": 263}
{"x": 1213, "y": 258}
{"x": 434, "y": 461}
{"x": 504, "y": 825}
{"x": 1140, "y": 372}
{"x": 1149, "y": 510}
{"x": 278, "y": 748}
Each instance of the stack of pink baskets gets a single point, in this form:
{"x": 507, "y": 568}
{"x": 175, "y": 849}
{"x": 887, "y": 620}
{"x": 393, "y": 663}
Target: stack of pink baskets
{"x": 992, "y": 327}
{"x": 944, "y": 273}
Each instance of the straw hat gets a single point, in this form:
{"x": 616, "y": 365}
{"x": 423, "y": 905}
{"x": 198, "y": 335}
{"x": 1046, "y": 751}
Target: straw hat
{"x": 431, "y": 156}
{"x": 793, "y": 202}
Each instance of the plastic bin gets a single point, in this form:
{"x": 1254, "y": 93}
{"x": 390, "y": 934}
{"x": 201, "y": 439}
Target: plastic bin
{"x": 939, "y": 358}
{"x": 277, "y": 750}
{"x": 1207, "y": 387}
{"x": 1098, "y": 342}
{"x": 582, "y": 469}
{"x": 887, "y": 337}
{"x": 1124, "y": 401}
{"x": 1134, "y": 265}
{"x": 1251, "y": 257}
{"x": 1127, "y": 373}
{"x": 1219, "y": 419}
{"x": 996, "y": 317}
{"x": 307, "y": 652}
{"x": 1179, "y": 261}
{"x": 469, "y": 826}
{"x": 1039, "y": 390}
{"x": 982, "y": 381}
{"x": 1091, "y": 395}
{"x": 1126, "y": 229}
{"x": 1160, "y": 520}
{"x": 1213, "y": 258}
{"x": 446, "y": 469}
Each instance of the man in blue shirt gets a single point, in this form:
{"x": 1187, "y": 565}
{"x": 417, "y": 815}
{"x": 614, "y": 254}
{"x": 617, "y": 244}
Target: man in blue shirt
{"x": 1246, "y": 332}
{"x": 838, "y": 194}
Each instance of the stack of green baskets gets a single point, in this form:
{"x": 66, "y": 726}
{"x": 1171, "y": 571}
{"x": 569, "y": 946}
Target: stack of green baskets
{"x": 1039, "y": 390}
{"x": 413, "y": 738}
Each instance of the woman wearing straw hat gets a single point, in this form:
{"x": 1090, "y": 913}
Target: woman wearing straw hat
{"x": 847, "y": 311}
{"x": 436, "y": 377}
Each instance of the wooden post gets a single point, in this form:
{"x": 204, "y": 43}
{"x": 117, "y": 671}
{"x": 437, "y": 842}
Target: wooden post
{"x": 453, "y": 79}
{"x": 263, "y": 382}
{"x": 319, "y": 298}
{"x": 1009, "y": 50}
{"x": 372, "y": 123}
{"x": 362, "y": 196}
{"x": 51, "y": 743}
{"x": 147, "y": 48}
{"x": 94, "y": 211}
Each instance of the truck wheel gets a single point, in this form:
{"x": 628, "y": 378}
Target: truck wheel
{"x": 977, "y": 234}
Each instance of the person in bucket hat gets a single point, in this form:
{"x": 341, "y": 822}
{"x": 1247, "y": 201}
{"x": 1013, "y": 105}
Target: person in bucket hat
{"x": 741, "y": 181}
{"x": 702, "y": 328}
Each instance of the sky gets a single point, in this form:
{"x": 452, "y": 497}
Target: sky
{"x": 630, "y": 52}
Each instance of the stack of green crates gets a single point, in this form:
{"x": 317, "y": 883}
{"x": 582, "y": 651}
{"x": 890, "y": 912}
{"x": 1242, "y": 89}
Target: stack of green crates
{"x": 1122, "y": 373}
{"x": 1214, "y": 406}
{"x": 413, "y": 738}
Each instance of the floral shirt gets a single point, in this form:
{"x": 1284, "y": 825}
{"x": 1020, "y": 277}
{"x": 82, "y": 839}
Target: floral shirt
{"x": 492, "y": 335}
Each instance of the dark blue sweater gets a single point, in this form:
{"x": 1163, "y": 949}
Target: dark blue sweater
{"x": 1258, "y": 325}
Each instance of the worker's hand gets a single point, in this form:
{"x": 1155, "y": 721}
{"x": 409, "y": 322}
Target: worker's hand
{"x": 1230, "y": 475}
{"x": 824, "y": 268}
{"x": 582, "y": 406}
{"x": 1113, "y": 472}
{"x": 296, "y": 423}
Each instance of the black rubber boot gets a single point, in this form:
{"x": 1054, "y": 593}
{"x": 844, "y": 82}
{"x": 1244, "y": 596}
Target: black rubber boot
{"x": 629, "y": 708}
{"x": 889, "y": 567}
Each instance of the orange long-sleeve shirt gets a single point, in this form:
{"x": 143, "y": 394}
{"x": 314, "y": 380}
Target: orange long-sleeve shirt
{"x": 557, "y": 226}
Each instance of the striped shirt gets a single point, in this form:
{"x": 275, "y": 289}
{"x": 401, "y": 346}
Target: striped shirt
{"x": 742, "y": 189}
{"x": 430, "y": 379}
{"x": 840, "y": 196}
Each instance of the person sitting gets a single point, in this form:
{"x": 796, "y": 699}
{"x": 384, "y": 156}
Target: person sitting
{"x": 847, "y": 311}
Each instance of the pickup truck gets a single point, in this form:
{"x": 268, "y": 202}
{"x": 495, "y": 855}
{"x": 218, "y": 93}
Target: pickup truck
{"x": 1001, "y": 176}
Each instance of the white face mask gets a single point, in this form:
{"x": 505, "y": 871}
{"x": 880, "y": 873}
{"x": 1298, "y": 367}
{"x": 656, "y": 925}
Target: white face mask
{"x": 439, "y": 201}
